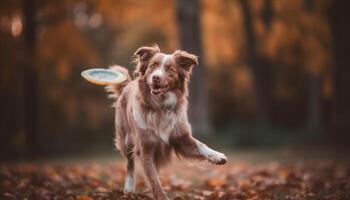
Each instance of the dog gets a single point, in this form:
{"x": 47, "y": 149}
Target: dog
{"x": 151, "y": 115}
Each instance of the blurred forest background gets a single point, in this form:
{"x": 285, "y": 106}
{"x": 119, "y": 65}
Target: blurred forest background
{"x": 272, "y": 72}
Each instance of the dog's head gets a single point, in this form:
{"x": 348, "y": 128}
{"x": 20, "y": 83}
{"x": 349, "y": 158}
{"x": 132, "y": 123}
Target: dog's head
{"x": 163, "y": 72}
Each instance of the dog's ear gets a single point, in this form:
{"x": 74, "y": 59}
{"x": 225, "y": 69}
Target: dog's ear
{"x": 185, "y": 60}
{"x": 146, "y": 53}
{"x": 142, "y": 57}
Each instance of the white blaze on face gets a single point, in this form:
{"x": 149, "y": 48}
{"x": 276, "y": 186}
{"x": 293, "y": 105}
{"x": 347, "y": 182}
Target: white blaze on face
{"x": 160, "y": 70}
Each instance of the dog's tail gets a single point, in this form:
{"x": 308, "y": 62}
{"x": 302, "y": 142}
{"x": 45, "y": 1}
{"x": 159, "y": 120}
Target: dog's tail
{"x": 116, "y": 89}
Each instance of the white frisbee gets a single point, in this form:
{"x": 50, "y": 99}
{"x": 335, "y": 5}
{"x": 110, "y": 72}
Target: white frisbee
{"x": 100, "y": 76}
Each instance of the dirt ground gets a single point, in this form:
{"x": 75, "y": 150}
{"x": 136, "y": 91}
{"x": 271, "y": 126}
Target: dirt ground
{"x": 275, "y": 174}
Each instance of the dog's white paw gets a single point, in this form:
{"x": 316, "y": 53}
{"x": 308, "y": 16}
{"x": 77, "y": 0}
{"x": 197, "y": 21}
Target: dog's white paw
{"x": 129, "y": 186}
{"x": 212, "y": 156}
{"x": 217, "y": 158}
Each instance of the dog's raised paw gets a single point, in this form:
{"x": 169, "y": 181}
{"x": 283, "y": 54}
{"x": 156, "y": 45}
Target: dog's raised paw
{"x": 218, "y": 158}
{"x": 222, "y": 161}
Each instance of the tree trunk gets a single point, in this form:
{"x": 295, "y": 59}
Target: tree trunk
{"x": 314, "y": 117}
{"x": 340, "y": 16}
{"x": 260, "y": 67}
{"x": 267, "y": 13}
{"x": 190, "y": 40}
{"x": 314, "y": 88}
{"x": 30, "y": 79}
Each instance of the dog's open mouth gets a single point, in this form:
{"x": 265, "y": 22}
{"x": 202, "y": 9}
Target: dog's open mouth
{"x": 157, "y": 89}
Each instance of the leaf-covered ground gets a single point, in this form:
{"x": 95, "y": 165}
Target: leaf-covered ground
{"x": 246, "y": 176}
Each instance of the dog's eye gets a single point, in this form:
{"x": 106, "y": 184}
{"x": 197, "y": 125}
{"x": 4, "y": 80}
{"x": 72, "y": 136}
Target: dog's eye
{"x": 172, "y": 70}
{"x": 153, "y": 65}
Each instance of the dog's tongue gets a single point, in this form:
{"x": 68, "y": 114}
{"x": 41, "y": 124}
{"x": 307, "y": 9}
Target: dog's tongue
{"x": 156, "y": 89}
{"x": 155, "y": 92}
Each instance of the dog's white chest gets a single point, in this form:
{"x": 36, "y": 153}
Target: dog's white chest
{"x": 162, "y": 123}
{"x": 165, "y": 125}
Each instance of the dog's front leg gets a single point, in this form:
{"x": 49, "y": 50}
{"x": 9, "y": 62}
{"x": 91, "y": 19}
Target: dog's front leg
{"x": 151, "y": 174}
{"x": 190, "y": 147}
{"x": 147, "y": 160}
{"x": 210, "y": 154}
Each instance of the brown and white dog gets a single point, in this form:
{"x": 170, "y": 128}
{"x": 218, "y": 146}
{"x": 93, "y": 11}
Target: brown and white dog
{"x": 151, "y": 115}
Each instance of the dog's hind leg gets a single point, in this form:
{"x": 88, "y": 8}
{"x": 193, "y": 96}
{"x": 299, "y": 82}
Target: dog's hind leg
{"x": 129, "y": 185}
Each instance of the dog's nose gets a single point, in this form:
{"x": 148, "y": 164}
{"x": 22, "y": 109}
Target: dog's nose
{"x": 156, "y": 79}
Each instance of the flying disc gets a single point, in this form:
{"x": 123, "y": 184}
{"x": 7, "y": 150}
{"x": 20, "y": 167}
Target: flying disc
{"x": 100, "y": 76}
